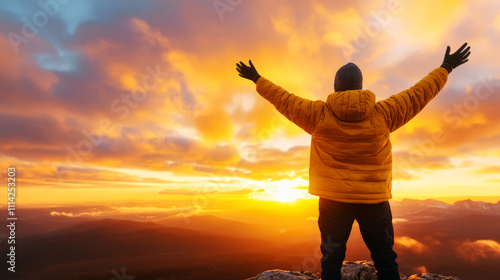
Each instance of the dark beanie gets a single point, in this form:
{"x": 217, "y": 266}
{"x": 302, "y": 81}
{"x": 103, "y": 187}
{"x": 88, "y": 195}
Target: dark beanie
{"x": 348, "y": 77}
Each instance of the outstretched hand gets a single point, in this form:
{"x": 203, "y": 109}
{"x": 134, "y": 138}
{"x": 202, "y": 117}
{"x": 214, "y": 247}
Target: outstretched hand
{"x": 452, "y": 61}
{"x": 248, "y": 72}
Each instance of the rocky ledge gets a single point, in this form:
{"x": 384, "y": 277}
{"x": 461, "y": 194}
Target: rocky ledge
{"x": 360, "y": 270}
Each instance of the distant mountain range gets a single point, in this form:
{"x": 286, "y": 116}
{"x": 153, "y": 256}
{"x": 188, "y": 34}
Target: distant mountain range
{"x": 411, "y": 208}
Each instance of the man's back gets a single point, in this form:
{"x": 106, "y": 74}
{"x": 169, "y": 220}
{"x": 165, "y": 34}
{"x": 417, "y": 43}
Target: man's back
{"x": 350, "y": 150}
{"x": 351, "y": 158}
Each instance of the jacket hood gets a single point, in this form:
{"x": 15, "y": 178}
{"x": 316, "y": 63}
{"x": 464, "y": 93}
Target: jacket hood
{"x": 351, "y": 105}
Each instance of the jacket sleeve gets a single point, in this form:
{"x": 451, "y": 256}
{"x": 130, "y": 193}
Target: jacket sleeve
{"x": 402, "y": 107}
{"x": 303, "y": 112}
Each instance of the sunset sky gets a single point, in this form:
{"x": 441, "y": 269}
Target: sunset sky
{"x": 137, "y": 104}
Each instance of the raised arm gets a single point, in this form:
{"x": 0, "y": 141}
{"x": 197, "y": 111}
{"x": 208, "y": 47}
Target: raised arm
{"x": 402, "y": 107}
{"x": 303, "y": 112}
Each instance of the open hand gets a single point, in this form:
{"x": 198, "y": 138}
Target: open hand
{"x": 452, "y": 61}
{"x": 247, "y": 72}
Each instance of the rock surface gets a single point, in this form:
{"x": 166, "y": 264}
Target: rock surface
{"x": 431, "y": 276}
{"x": 360, "y": 270}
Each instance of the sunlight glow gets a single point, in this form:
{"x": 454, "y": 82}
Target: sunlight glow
{"x": 282, "y": 191}
{"x": 286, "y": 194}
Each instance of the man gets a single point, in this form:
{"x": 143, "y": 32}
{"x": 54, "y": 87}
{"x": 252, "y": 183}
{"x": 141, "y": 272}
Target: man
{"x": 351, "y": 158}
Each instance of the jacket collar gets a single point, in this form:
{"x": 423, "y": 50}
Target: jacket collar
{"x": 351, "y": 105}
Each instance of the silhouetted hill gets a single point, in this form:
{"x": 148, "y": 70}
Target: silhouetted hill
{"x": 114, "y": 239}
{"x": 214, "y": 224}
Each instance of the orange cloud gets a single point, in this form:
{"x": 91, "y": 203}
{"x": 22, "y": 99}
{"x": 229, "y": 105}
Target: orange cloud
{"x": 479, "y": 249}
{"x": 190, "y": 191}
{"x": 20, "y": 66}
{"x": 70, "y": 214}
{"x": 214, "y": 124}
{"x": 158, "y": 210}
{"x": 411, "y": 244}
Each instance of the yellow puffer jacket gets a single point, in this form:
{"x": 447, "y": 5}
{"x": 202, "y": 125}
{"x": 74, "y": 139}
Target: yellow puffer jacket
{"x": 351, "y": 157}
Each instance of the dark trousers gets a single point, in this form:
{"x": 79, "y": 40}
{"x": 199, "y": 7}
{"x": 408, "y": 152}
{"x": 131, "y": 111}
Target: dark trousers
{"x": 375, "y": 223}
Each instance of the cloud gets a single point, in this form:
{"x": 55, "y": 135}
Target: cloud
{"x": 42, "y": 129}
{"x": 70, "y": 214}
{"x": 411, "y": 244}
{"x": 79, "y": 174}
{"x": 214, "y": 124}
{"x": 399, "y": 220}
{"x": 479, "y": 249}
{"x": 275, "y": 164}
{"x": 21, "y": 67}
{"x": 458, "y": 118}
{"x": 408, "y": 165}
{"x": 191, "y": 191}
{"x": 158, "y": 210}
{"x": 493, "y": 169}
{"x": 129, "y": 212}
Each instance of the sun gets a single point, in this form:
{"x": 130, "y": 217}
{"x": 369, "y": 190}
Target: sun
{"x": 285, "y": 194}
{"x": 282, "y": 191}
